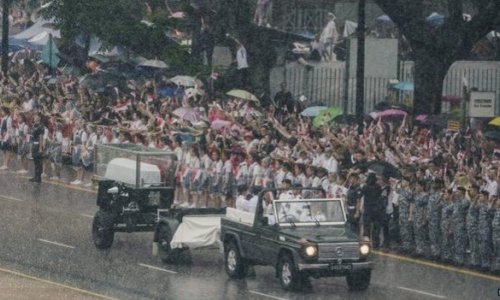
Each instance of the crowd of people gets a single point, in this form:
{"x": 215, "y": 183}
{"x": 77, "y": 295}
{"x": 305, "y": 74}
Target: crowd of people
{"x": 443, "y": 206}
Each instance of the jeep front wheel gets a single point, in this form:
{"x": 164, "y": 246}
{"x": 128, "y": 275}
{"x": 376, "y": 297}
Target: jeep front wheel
{"x": 102, "y": 230}
{"x": 289, "y": 277}
{"x": 235, "y": 265}
{"x": 166, "y": 253}
{"x": 359, "y": 281}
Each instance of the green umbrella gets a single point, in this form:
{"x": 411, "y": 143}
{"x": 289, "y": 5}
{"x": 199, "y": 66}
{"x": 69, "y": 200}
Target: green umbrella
{"x": 326, "y": 116}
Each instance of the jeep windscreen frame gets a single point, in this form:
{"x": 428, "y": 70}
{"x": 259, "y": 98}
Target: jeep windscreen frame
{"x": 306, "y": 204}
{"x": 104, "y": 153}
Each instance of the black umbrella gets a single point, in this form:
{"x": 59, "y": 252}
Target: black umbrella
{"x": 382, "y": 168}
{"x": 345, "y": 119}
{"x": 492, "y": 135}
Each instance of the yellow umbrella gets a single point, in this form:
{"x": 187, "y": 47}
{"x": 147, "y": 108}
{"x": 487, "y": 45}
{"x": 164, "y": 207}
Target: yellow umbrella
{"x": 242, "y": 94}
{"x": 495, "y": 122}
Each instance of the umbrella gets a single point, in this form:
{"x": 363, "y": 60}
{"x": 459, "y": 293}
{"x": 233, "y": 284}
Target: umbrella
{"x": 345, "y": 119}
{"x": 404, "y": 86}
{"x": 242, "y": 94}
{"x": 435, "y": 19}
{"x": 452, "y": 99}
{"x": 385, "y": 19}
{"x": 440, "y": 120}
{"x": 187, "y": 81}
{"x": 326, "y": 116}
{"x": 389, "y": 114}
{"x": 495, "y": 121}
{"x": 493, "y": 135}
{"x": 187, "y": 113}
{"x": 220, "y": 124}
{"x": 313, "y": 111}
{"x": 382, "y": 168}
{"x": 154, "y": 63}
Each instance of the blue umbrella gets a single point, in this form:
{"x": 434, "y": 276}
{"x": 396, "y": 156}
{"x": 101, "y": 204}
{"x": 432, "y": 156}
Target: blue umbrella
{"x": 404, "y": 86}
{"x": 384, "y": 19}
{"x": 313, "y": 111}
{"x": 435, "y": 19}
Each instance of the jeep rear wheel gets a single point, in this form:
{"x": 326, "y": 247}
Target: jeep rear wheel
{"x": 166, "y": 253}
{"x": 102, "y": 229}
{"x": 288, "y": 275}
{"x": 359, "y": 281}
{"x": 235, "y": 265}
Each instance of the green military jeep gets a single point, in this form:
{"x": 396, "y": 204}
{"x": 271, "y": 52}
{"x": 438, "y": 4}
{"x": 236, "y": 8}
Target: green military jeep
{"x": 300, "y": 238}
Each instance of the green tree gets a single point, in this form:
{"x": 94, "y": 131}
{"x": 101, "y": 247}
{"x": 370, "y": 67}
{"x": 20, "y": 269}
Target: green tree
{"x": 435, "y": 48}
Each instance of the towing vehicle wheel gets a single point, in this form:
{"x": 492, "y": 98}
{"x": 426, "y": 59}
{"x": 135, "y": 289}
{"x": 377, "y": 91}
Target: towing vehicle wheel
{"x": 236, "y": 266}
{"x": 359, "y": 281}
{"x": 102, "y": 229}
{"x": 289, "y": 277}
{"x": 166, "y": 253}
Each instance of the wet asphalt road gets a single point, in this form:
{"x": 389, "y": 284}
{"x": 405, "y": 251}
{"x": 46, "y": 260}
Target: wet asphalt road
{"x": 45, "y": 232}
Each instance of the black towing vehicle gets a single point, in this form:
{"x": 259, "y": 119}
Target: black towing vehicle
{"x": 299, "y": 238}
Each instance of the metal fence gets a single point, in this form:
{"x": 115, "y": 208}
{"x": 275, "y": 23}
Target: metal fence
{"x": 326, "y": 83}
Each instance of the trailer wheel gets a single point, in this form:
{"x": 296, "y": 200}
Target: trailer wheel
{"x": 166, "y": 253}
{"x": 102, "y": 229}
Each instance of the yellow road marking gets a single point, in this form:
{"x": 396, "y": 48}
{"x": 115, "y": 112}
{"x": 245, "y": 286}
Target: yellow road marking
{"x": 81, "y": 291}
{"x": 438, "y": 266}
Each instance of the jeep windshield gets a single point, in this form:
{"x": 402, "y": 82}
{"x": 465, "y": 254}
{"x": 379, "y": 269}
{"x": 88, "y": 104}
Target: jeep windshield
{"x": 310, "y": 212}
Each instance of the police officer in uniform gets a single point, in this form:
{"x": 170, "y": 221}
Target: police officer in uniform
{"x": 420, "y": 220}
{"x": 460, "y": 207}
{"x": 405, "y": 227}
{"x": 472, "y": 225}
{"x": 434, "y": 215}
{"x": 354, "y": 195}
{"x": 486, "y": 212}
{"x": 37, "y": 148}
{"x": 495, "y": 226}
{"x": 446, "y": 232}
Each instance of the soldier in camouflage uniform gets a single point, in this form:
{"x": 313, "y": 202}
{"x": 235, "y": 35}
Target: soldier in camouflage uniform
{"x": 434, "y": 214}
{"x": 485, "y": 234}
{"x": 446, "y": 233}
{"x": 460, "y": 207}
{"x": 420, "y": 219}
{"x": 472, "y": 226}
{"x": 495, "y": 226}
{"x": 405, "y": 227}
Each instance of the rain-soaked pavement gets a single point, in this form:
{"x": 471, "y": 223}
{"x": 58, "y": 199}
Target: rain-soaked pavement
{"x": 45, "y": 233}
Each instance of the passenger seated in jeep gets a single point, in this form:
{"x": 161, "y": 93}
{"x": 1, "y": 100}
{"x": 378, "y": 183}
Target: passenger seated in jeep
{"x": 250, "y": 202}
{"x": 240, "y": 199}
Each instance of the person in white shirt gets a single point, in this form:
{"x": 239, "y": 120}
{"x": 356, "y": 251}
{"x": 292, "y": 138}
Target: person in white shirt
{"x": 491, "y": 184}
{"x": 240, "y": 199}
{"x": 251, "y": 200}
{"x": 329, "y": 37}
{"x": 242, "y": 65}
{"x": 6, "y": 137}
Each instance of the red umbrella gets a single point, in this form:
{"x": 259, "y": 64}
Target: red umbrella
{"x": 389, "y": 114}
{"x": 187, "y": 113}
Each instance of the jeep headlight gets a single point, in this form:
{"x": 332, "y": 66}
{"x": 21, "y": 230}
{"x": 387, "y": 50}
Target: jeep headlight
{"x": 364, "y": 249}
{"x": 309, "y": 251}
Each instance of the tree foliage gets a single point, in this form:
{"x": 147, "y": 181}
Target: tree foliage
{"x": 437, "y": 47}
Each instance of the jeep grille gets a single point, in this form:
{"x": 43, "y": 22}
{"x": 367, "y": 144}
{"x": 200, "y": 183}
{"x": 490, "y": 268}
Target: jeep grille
{"x": 338, "y": 251}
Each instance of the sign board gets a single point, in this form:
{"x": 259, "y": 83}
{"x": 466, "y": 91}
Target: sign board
{"x": 453, "y": 126}
{"x": 482, "y": 104}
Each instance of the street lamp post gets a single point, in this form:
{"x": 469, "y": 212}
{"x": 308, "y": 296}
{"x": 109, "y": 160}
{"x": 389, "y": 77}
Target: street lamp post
{"x": 5, "y": 37}
{"x": 360, "y": 66}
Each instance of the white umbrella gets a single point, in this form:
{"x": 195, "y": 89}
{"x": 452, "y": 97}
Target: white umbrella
{"x": 187, "y": 81}
{"x": 154, "y": 63}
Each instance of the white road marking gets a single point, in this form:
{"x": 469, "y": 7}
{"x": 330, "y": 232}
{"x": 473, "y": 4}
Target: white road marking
{"x": 56, "y": 243}
{"x": 266, "y": 295}
{"x": 157, "y": 269}
{"x": 11, "y": 198}
{"x": 421, "y": 292}
{"x": 87, "y": 216}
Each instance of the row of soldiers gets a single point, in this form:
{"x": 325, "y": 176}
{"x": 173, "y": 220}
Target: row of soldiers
{"x": 460, "y": 226}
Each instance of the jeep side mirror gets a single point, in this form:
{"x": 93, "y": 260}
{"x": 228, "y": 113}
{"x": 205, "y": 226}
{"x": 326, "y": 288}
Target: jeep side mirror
{"x": 113, "y": 190}
{"x": 264, "y": 221}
